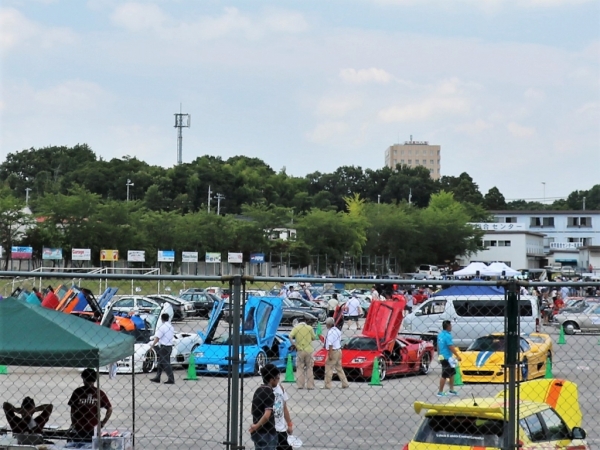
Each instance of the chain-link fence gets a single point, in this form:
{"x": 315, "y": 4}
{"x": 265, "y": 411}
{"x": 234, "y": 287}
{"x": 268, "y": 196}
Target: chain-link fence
{"x": 382, "y": 389}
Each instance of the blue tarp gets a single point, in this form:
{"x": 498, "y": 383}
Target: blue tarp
{"x": 470, "y": 290}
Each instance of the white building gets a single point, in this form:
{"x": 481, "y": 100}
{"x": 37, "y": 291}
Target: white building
{"x": 519, "y": 249}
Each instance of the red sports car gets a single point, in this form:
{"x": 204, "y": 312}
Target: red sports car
{"x": 380, "y": 340}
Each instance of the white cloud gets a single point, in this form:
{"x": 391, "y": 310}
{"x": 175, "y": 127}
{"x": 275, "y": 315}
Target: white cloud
{"x": 588, "y": 108}
{"x": 520, "y": 131}
{"x": 486, "y": 5}
{"x": 324, "y": 132}
{"x": 16, "y": 29}
{"x": 371, "y": 75}
{"x": 138, "y": 17}
{"x": 534, "y": 94}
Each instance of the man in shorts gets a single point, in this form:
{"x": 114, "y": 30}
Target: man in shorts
{"x": 354, "y": 311}
{"x": 448, "y": 357}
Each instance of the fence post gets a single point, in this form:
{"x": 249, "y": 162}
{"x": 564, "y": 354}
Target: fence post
{"x": 512, "y": 360}
{"x": 234, "y": 441}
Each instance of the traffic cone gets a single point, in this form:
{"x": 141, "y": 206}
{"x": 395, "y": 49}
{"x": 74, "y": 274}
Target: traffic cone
{"x": 561, "y": 336}
{"x": 319, "y": 330}
{"x": 375, "y": 379}
{"x": 3, "y": 370}
{"x": 458, "y": 377}
{"x": 192, "y": 376}
{"x": 548, "y": 369}
{"x": 289, "y": 371}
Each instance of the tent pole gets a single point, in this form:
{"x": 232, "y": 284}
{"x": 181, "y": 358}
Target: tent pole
{"x": 98, "y": 411}
{"x": 133, "y": 399}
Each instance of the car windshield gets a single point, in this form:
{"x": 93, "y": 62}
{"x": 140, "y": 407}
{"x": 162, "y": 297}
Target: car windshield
{"x": 360, "y": 343}
{"x": 461, "y": 430}
{"x": 487, "y": 344}
{"x": 225, "y": 339}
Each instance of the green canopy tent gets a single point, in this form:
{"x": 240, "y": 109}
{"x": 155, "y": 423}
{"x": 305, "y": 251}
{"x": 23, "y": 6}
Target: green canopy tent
{"x": 34, "y": 336}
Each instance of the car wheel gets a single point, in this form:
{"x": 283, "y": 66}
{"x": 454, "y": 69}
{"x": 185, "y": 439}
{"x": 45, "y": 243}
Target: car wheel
{"x": 570, "y": 327}
{"x": 524, "y": 369}
{"x": 261, "y": 361}
{"x": 382, "y": 369}
{"x": 149, "y": 363}
{"x": 425, "y": 365}
{"x": 186, "y": 364}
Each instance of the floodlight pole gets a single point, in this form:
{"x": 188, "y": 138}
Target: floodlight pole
{"x": 128, "y": 184}
{"x": 181, "y": 121}
{"x": 219, "y": 198}
{"x": 28, "y": 190}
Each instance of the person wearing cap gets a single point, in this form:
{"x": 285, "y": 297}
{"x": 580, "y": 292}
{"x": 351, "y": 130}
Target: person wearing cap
{"x": 26, "y": 423}
{"x": 84, "y": 408}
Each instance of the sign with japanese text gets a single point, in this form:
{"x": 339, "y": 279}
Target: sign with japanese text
{"x": 189, "y": 257}
{"x": 213, "y": 257}
{"x": 21, "y": 252}
{"x": 166, "y": 256}
{"x": 52, "y": 253}
{"x": 109, "y": 255}
{"x": 136, "y": 255}
{"x": 494, "y": 226}
{"x": 81, "y": 254}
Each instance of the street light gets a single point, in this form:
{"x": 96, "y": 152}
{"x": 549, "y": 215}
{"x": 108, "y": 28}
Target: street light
{"x": 129, "y": 183}
{"x": 544, "y": 184}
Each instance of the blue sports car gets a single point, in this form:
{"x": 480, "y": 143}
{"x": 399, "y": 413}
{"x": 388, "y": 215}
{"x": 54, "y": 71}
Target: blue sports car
{"x": 259, "y": 340}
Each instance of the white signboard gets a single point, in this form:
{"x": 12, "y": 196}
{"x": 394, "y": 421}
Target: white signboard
{"x": 166, "y": 256}
{"x": 213, "y": 257}
{"x": 136, "y": 256}
{"x": 495, "y": 226}
{"x": 81, "y": 254}
{"x": 235, "y": 258}
{"x": 189, "y": 257}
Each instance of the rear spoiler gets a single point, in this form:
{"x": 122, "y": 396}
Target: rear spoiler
{"x": 451, "y": 409}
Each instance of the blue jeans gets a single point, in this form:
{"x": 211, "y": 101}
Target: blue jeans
{"x": 264, "y": 441}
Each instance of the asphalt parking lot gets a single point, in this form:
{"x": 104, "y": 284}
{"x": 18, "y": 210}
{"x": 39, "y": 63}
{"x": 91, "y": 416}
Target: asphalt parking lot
{"x": 192, "y": 414}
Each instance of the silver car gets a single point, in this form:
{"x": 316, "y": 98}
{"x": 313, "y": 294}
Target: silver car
{"x": 577, "y": 322}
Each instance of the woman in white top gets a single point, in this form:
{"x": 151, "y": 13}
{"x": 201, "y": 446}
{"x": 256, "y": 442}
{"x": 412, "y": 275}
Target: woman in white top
{"x": 283, "y": 421}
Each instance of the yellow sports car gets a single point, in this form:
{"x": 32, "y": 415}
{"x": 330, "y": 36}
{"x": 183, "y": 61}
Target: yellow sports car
{"x": 483, "y": 361}
{"x": 549, "y": 418}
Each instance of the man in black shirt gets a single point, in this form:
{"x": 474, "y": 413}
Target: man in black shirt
{"x": 262, "y": 431}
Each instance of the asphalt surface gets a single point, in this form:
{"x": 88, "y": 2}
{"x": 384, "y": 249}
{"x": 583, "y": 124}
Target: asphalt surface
{"x": 192, "y": 414}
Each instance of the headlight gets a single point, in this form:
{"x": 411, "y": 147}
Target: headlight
{"x": 319, "y": 358}
{"x": 360, "y": 359}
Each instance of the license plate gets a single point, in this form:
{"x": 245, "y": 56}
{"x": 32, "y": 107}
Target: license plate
{"x": 212, "y": 367}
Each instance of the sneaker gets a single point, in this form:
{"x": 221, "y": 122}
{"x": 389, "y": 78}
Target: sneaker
{"x": 442, "y": 394}
{"x": 452, "y": 393}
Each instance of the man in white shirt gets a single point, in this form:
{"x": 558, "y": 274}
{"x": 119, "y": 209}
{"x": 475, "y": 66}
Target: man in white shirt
{"x": 354, "y": 311}
{"x": 293, "y": 294}
{"x": 332, "y": 303}
{"x": 164, "y": 338}
{"x": 283, "y": 291}
{"x": 333, "y": 344}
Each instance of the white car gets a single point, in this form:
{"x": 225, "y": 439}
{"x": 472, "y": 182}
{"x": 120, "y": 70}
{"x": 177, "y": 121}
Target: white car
{"x": 145, "y": 358}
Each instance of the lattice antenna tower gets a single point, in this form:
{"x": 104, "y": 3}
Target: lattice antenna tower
{"x": 181, "y": 121}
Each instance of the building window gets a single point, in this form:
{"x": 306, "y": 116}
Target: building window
{"x": 438, "y": 162}
{"x": 503, "y": 243}
{"x": 490, "y": 243}
{"x": 395, "y": 161}
{"x": 410, "y": 161}
{"x": 438, "y": 153}
{"x": 410, "y": 152}
{"x": 579, "y": 222}
{"x": 431, "y": 162}
{"x": 416, "y": 162}
{"x": 510, "y": 220}
{"x": 438, "y": 170}
{"x": 430, "y": 171}
{"x": 541, "y": 222}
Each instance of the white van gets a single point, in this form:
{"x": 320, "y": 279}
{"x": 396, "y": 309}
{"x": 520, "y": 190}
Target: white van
{"x": 471, "y": 316}
{"x": 430, "y": 271}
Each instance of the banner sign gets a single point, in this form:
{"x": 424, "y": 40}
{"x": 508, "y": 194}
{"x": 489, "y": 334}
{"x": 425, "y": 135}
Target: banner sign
{"x": 21, "y": 252}
{"x": 166, "y": 256}
{"x": 81, "y": 254}
{"x": 213, "y": 257}
{"x": 189, "y": 257}
{"x": 51, "y": 253}
{"x": 499, "y": 226}
{"x": 235, "y": 258}
{"x": 257, "y": 258}
{"x": 109, "y": 255}
{"x": 136, "y": 255}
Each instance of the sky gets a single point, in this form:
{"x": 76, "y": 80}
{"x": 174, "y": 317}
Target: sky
{"x": 510, "y": 89}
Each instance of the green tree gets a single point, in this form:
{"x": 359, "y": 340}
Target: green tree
{"x": 463, "y": 187}
{"x": 494, "y": 200}
{"x": 14, "y": 222}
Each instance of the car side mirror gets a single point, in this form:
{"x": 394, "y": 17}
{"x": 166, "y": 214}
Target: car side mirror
{"x": 578, "y": 433}
{"x": 418, "y": 313}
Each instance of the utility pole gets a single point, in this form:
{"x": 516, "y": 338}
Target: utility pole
{"x": 181, "y": 121}
{"x": 544, "y": 184}
{"x": 209, "y": 198}
{"x": 28, "y": 190}
{"x": 584, "y": 203}
{"x": 219, "y": 198}
{"x": 128, "y": 184}
{"x": 410, "y": 192}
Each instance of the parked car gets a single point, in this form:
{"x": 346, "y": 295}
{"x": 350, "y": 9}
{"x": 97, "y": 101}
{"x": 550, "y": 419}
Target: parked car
{"x": 577, "y": 322}
{"x": 127, "y": 303}
{"x": 483, "y": 361}
{"x": 549, "y": 416}
{"x": 299, "y": 304}
{"x": 182, "y": 309}
{"x": 202, "y": 300}
{"x": 379, "y": 341}
{"x": 260, "y": 340}
{"x": 145, "y": 357}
